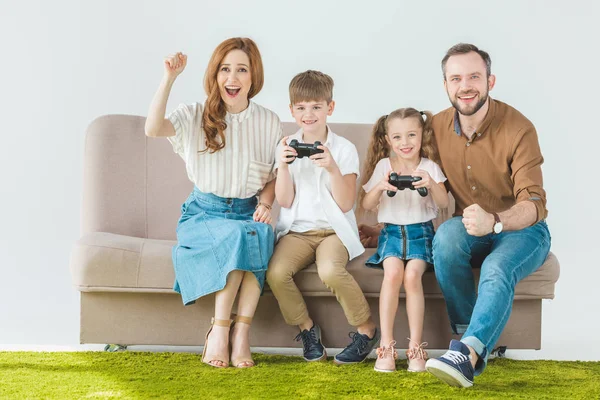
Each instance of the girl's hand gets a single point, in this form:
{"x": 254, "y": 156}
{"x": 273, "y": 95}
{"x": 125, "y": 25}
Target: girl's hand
{"x": 385, "y": 184}
{"x": 426, "y": 180}
{"x": 174, "y": 65}
{"x": 287, "y": 155}
{"x": 324, "y": 160}
{"x": 262, "y": 214}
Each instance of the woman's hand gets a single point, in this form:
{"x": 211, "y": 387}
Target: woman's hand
{"x": 174, "y": 65}
{"x": 262, "y": 214}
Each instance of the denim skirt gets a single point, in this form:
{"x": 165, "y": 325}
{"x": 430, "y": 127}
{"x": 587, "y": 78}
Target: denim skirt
{"x": 215, "y": 236}
{"x": 406, "y": 242}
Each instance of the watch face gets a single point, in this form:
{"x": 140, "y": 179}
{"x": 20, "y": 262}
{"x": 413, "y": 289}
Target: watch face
{"x": 498, "y": 227}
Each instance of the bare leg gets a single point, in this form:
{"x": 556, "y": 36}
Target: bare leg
{"x": 415, "y": 310}
{"x": 219, "y": 336}
{"x": 240, "y": 337}
{"x": 367, "y": 328}
{"x": 393, "y": 270}
{"x": 306, "y": 324}
{"x": 388, "y": 299}
{"x": 415, "y": 300}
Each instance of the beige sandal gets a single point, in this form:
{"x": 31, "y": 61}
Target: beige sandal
{"x": 386, "y": 352}
{"x": 240, "y": 362}
{"x": 218, "y": 322}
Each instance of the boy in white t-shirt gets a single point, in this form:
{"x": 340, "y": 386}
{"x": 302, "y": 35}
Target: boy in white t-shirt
{"x": 317, "y": 222}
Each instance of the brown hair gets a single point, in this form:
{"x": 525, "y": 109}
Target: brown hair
{"x": 464, "y": 48}
{"x": 379, "y": 147}
{"x": 311, "y": 86}
{"x": 213, "y": 117}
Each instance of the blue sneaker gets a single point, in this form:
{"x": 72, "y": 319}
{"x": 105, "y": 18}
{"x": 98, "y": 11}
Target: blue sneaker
{"x": 313, "y": 349}
{"x": 454, "y": 367}
{"x": 359, "y": 349}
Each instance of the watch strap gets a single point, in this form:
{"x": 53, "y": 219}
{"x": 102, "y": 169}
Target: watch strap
{"x": 496, "y": 217}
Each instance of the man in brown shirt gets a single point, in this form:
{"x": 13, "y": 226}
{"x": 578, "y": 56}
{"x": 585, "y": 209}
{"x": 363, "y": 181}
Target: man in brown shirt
{"x": 490, "y": 154}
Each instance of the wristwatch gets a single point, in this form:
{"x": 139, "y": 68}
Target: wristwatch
{"x": 497, "y": 225}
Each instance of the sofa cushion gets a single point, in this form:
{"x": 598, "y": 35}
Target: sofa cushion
{"x": 107, "y": 262}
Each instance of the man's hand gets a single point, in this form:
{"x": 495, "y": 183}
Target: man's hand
{"x": 477, "y": 221}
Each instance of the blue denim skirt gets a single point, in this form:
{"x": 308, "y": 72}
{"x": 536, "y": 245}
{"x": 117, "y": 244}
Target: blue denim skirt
{"x": 406, "y": 242}
{"x": 215, "y": 236}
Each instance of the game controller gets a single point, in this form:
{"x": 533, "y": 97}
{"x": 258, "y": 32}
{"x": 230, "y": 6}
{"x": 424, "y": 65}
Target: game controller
{"x": 305, "y": 149}
{"x": 405, "y": 182}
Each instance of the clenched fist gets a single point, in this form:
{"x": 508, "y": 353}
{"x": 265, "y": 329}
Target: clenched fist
{"x": 175, "y": 64}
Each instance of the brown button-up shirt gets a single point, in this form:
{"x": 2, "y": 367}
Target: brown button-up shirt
{"x": 498, "y": 167}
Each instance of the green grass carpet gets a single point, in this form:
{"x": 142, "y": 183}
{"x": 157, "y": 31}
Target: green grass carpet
{"x": 141, "y": 375}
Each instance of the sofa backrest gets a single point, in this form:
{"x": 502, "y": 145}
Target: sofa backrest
{"x": 134, "y": 185}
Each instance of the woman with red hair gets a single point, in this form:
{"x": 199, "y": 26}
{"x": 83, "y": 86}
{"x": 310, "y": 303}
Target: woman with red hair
{"x": 224, "y": 236}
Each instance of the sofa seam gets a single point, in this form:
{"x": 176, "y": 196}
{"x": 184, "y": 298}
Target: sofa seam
{"x": 137, "y": 274}
{"x": 107, "y": 247}
{"x": 433, "y": 296}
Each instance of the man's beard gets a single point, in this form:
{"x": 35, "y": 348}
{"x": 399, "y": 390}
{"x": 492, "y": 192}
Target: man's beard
{"x": 468, "y": 110}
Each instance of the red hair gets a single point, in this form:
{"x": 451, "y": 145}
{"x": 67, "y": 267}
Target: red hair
{"x": 213, "y": 117}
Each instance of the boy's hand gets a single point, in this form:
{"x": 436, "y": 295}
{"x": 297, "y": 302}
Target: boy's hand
{"x": 324, "y": 160}
{"x": 385, "y": 184}
{"x": 287, "y": 155}
{"x": 426, "y": 180}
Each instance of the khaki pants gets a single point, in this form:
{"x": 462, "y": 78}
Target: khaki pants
{"x": 296, "y": 251}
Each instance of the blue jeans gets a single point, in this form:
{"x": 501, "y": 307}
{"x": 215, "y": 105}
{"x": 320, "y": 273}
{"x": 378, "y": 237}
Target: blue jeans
{"x": 505, "y": 259}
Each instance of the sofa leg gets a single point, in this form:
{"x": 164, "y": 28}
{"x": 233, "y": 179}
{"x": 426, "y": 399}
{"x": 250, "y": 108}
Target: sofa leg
{"x": 112, "y": 348}
{"x": 499, "y": 352}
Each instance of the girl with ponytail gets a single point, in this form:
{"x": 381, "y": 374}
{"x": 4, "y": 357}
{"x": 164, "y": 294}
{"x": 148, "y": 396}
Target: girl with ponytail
{"x": 402, "y": 144}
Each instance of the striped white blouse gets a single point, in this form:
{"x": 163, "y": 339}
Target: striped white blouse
{"x": 244, "y": 165}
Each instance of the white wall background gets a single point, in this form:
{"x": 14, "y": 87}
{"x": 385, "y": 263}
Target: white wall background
{"x": 63, "y": 63}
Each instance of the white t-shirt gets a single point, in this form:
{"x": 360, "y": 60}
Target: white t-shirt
{"x": 314, "y": 206}
{"x": 407, "y": 207}
{"x": 310, "y": 214}
{"x": 244, "y": 165}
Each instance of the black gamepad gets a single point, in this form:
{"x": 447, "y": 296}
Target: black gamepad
{"x": 305, "y": 149}
{"x": 405, "y": 182}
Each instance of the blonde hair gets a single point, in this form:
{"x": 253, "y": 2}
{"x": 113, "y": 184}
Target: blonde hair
{"x": 379, "y": 147}
{"x": 213, "y": 116}
{"x": 311, "y": 86}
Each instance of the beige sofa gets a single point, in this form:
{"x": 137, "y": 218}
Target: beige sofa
{"x": 133, "y": 189}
